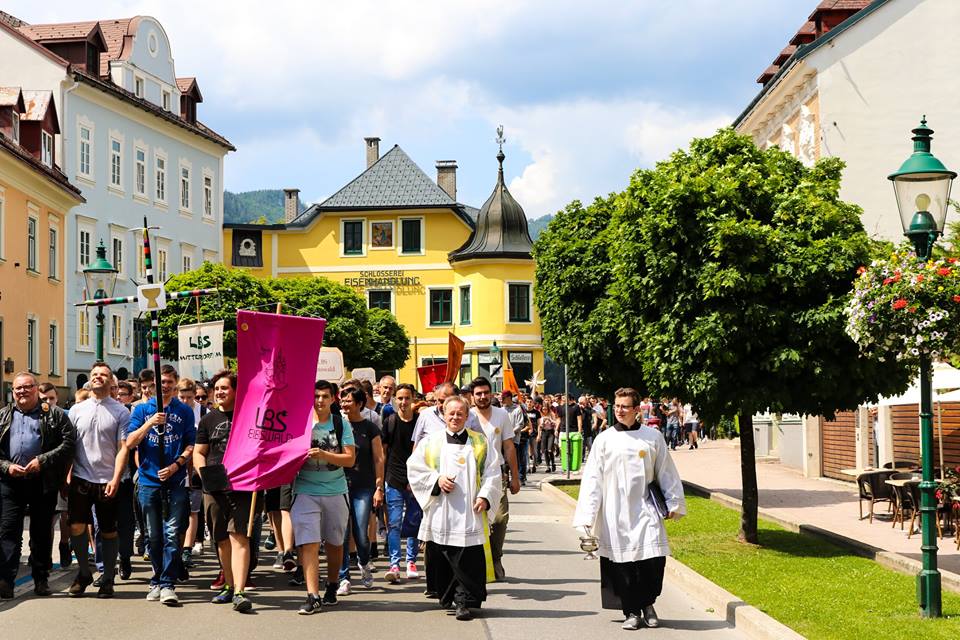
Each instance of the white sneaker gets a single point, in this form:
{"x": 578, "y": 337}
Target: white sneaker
{"x": 278, "y": 563}
{"x": 412, "y": 573}
{"x": 154, "y": 594}
{"x": 344, "y": 588}
{"x": 198, "y": 549}
{"x": 366, "y": 576}
{"x": 168, "y": 596}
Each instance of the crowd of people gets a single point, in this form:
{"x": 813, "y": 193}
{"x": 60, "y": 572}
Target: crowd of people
{"x": 428, "y": 474}
{"x": 123, "y": 480}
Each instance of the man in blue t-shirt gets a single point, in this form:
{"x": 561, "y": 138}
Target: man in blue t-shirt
{"x": 163, "y": 472}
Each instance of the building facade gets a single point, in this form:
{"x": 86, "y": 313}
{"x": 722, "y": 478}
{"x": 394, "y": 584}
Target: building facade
{"x": 403, "y": 242}
{"x": 35, "y": 201}
{"x": 131, "y": 141}
{"x": 852, "y": 83}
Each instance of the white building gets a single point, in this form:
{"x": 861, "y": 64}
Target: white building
{"x": 131, "y": 141}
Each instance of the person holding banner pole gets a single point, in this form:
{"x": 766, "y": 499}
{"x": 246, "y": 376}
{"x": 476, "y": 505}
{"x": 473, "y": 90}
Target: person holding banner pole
{"x": 227, "y": 512}
{"x": 159, "y": 436}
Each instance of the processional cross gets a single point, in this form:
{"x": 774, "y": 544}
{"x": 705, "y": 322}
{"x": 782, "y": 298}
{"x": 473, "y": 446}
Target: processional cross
{"x": 150, "y": 297}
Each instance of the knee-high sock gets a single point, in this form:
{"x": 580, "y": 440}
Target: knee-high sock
{"x": 80, "y": 543}
{"x": 109, "y": 547}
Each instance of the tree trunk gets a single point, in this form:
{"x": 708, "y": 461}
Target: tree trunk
{"x": 748, "y": 475}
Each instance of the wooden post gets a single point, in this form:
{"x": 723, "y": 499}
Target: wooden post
{"x": 253, "y": 513}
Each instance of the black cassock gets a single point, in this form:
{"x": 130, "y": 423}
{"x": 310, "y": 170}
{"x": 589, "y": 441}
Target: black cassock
{"x": 458, "y": 575}
{"x": 631, "y": 586}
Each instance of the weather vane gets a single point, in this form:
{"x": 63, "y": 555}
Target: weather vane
{"x": 500, "y": 138}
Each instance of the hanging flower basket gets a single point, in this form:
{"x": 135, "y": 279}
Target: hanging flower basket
{"x": 902, "y": 307}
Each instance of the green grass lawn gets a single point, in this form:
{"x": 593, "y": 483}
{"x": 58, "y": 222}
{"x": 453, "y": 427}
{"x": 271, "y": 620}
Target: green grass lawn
{"x": 816, "y": 588}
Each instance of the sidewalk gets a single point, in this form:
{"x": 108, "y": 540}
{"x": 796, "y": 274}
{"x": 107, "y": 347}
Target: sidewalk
{"x": 785, "y": 494}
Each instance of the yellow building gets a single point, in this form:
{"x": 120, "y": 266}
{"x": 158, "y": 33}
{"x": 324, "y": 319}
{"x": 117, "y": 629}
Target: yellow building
{"x": 35, "y": 198}
{"x": 404, "y": 242}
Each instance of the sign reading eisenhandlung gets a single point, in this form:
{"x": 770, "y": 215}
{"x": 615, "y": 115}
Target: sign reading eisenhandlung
{"x": 200, "y": 349}
{"x": 276, "y": 369}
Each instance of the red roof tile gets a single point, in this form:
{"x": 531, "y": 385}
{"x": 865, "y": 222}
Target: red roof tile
{"x": 119, "y": 36}
{"x": 37, "y": 103}
{"x": 61, "y": 31}
{"x": 841, "y": 5}
{"x": 188, "y": 85}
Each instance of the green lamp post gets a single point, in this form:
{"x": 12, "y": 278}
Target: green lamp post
{"x": 101, "y": 278}
{"x": 495, "y": 360}
{"x": 922, "y": 186}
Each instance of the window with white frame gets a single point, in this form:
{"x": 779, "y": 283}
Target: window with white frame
{"x": 116, "y": 252}
{"x": 16, "y": 127}
{"x": 46, "y": 148}
{"x": 140, "y": 171}
{"x": 161, "y": 172}
{"x": 32, "y": 364}
{"x": 187, "y": 262}
{"x": 138, "y": 86}
{"x": 85, "y": 151}
{"x": 116, "y": 160}
{"x": 116, "y": 332}
{"x": 184, "y": 188}
{"x": 208, "y": 196}
{"x": 84, "y": 244}
{"x": 83, "y": 329}
{"x": 162, "y": 254}
{"x": 166, "y": 100}
{"x": 32, "y": 243}
{"x": 53, "y": 343}
{"x": 138, "y": 258}
{"x": 53, "y": 242}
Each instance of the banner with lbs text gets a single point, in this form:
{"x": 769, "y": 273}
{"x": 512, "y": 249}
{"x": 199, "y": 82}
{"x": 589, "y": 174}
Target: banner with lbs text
{"x": 273, "y": 415}
{"x": 200, "y": 349}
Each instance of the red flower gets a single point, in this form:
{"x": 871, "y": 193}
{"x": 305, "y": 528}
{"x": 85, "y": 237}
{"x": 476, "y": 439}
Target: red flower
{"x": 943, "y": 271}
{"x": 939, "y": 494}
{"x": 920, "y": 277}
{"x": 956, "y": 298}
{"x": 887, "y": 280}
{"x": 912, "y": 309}
{"x": 896, "y": 276}
{"x": 899, "y": 303}
{"x": 861, "y": 269}
{"x": 951, "y": 260}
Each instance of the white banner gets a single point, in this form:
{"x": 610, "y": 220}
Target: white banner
{"x": 201, "y": 350}
{"x": 330, "y": 365}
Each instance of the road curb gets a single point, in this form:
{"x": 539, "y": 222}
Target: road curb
{"x": 747, "y": 619}
{"x": 890, "y": 560}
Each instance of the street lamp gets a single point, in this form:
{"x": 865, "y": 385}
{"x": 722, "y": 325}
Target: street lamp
{"x": 494, "y": 360}
{"x": 101, "y": 278}
{"x": 922, "y": 186}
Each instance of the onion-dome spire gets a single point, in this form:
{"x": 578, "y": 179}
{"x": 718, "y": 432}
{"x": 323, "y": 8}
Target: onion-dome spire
{"x": 501, "y": 230}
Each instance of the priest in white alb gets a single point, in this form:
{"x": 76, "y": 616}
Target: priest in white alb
{"x": 617, "y": 506}
{"x": 455, "y": 479}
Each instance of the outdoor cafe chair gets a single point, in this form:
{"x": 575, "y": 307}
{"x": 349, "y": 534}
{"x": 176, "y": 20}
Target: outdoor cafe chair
{"x": 900, "y": 464}
{"x": 902, "y": 499}
{"x": 873, "y": 487}
{"x": 913, "y": 489}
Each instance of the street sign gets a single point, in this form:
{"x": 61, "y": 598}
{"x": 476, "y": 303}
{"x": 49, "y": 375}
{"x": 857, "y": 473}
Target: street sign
{"x": 330, "y": 365}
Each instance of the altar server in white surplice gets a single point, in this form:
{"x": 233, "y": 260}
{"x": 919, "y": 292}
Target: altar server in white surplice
{"x": 617, "y": 504}
{"x": 456, "y": 479}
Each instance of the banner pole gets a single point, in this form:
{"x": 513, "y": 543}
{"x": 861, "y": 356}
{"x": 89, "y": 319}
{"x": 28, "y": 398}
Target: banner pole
{"x": 278, "y": 307}
{"x": 253, "y": 513}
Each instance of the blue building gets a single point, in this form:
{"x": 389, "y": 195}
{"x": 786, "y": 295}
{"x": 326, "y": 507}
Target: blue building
{"x": 131, "y": 141}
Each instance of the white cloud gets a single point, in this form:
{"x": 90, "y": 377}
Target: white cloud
{"x": 588, "y": 148}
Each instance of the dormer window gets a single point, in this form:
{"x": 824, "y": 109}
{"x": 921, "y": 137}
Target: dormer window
{"x": 138, "y": 86}
{"x": 93, "y": 60}
{"x": 46, "y": 148}
{"x": 166, "y": 101}
{"x": 15, "y": 126}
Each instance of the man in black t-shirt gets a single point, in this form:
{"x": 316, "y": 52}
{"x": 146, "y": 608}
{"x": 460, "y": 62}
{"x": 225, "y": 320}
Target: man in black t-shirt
{"x": 533, "y": 419}
{"x": 403, "y": 511}
{"x": 227, "y": 512}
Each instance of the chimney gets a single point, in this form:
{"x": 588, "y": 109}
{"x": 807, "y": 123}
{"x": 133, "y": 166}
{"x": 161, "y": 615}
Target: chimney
{"x": 373, "y": 150}
{"x": 447, "y": 177}
{"x": 291, "y": 204}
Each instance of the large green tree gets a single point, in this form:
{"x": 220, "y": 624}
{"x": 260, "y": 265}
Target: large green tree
{"x": 237, "y": 290}
{"x": 730, "y": 267}
{"x": 389, "y": 342}
{"x": 579, "y": 320}
{"x": 343, "y": 308}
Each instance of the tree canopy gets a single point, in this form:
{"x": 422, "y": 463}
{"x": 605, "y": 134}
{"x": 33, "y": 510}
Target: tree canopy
{"x": 365, "y": 338}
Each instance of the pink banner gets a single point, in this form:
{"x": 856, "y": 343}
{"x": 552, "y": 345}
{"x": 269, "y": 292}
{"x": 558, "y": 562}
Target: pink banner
{"x": 276, "y": 365}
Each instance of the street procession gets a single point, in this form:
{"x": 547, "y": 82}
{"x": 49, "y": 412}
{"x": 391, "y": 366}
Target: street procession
{"x": 668, "y": 348}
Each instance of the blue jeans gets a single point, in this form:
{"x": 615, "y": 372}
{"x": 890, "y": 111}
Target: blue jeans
{"x": 403, "y": 521}
{"x": 521, "y": 459}
{"x": 164, "y": 535}
{"x": 361, "y": 503}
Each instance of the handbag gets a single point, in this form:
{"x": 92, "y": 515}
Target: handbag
{"x": 658, "y": 500}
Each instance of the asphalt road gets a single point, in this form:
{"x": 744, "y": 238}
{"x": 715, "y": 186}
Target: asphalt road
{"x": 550, "y": 592}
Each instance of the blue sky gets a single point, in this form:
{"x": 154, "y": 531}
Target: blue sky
{"x": 586, "y": 92}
